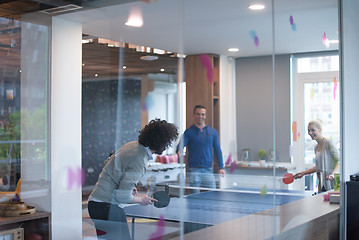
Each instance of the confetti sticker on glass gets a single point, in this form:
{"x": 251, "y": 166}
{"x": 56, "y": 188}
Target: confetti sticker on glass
{"x": 148, "y": 104}
{"x": 233, "y": 167}
{"x": 294, "y": 131}
{"x": 325, "y": 40}
{"x": 312, "y": 92}
{"x": 76, "y": 177}
{"x": 256, "y": 41}
{"x": 159, "y": 231}
{"x": 292, "y": 24}
{"x": 207, "y": 64}
{"x": 253, "y": 34}
{"x": 254, "y": 37}
{"x": 264, "y": 191}
{"x": 331, "y": 139}
{"x": 298, "y": 135}
{"x": 229, "y": 160}
{"x": 335, "y": 86}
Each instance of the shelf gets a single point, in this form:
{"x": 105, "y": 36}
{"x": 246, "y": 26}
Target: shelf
{"x": 37, "y": 223}
{"x": 23, "y": 218}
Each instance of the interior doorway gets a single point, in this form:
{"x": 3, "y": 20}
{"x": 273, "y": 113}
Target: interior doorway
{"x": 315, "y": 95}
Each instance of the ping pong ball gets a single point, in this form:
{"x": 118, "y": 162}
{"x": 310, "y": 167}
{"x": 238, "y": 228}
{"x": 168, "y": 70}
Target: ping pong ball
{"x": 235, "y": 184}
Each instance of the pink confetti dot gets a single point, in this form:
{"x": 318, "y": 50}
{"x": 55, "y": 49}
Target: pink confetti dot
{"x": 256, "y": 41}
{"x": 207, "y": 64}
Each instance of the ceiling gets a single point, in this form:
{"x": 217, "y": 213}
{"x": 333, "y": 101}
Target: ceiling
{"x": 100, "y": 60}
{"x": 212, "y": 26}
{"x": 186, "y": 27}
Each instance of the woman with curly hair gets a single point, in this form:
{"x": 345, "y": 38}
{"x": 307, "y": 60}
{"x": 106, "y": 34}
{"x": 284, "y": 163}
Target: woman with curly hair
{"x": 123, "y": 170}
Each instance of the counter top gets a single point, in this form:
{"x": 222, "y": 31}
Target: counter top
{"x": 267, "y": 165}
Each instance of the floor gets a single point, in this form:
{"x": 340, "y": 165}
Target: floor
{"x": 145, "y": 229}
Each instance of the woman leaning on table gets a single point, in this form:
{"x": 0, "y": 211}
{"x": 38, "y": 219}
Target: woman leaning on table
{"x": 122, "y": 171}
{"x": 326, "y": 158}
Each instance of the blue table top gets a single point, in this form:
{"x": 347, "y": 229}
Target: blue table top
{"x": 214, "y": 207}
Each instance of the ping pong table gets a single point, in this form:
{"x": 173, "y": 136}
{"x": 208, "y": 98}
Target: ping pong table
{"x": 209, "y": 208}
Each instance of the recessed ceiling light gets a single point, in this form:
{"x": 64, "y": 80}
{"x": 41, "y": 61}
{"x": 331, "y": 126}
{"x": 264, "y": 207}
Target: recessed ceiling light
{"x": 256, "y": 7}
{"x": 233, "y": 49}
{"x": 162, "y": 69}
{"x": 149, "y": 58}
{"x": 124, "y": 67}
{"x": 96, "y": 75}
{"x": 135, "y": 18}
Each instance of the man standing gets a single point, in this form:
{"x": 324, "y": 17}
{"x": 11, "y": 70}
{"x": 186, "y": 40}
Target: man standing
{"x": 201, "y": 140}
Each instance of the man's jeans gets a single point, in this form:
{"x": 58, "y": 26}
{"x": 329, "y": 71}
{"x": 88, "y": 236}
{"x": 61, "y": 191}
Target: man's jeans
{"x": 201, "y": 177}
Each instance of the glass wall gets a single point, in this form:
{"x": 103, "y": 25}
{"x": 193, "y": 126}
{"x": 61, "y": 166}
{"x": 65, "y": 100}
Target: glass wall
{"x": 259, "y": 73}
{"x": 24, "y": 159}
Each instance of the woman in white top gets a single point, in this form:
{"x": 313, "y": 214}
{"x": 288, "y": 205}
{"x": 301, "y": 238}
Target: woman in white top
{"x": 326, "y": 158}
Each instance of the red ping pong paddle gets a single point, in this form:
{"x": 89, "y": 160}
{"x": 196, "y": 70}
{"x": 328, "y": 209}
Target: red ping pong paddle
{"x": 288, "y": 178}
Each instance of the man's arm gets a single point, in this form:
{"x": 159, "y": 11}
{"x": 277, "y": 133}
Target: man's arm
{"x": 182, "y": 143}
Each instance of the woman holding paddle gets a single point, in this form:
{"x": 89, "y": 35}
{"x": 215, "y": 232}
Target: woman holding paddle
{"x": 122, "y": 171}
{"x": 326, "y": 158}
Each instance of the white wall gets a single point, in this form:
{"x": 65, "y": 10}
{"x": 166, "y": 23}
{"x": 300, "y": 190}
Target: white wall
{"x": 350, "y": 86}
{"x": 227, "y": 108}
{"x": 350, "y": 73}
{"x": 254, "y": 105}
{"x": 65, "y": 136}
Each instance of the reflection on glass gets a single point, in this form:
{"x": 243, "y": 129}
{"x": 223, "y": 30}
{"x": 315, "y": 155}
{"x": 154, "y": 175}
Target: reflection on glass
{"x": 24, "y": 163}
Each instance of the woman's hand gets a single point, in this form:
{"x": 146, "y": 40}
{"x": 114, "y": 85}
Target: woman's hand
{"x": 298, "y": 175}
{"x": 143, "y": 199}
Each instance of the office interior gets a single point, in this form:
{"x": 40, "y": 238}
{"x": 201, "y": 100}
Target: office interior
{"x": 80, "y": 78}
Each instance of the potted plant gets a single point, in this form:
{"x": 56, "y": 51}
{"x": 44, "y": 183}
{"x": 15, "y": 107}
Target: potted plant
{"x": 262, "y": 154}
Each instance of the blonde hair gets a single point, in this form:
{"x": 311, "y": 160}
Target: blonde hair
{"x": 316, "y": 122}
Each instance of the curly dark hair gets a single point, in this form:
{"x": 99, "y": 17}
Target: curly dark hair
{"x": 158, "y": 135}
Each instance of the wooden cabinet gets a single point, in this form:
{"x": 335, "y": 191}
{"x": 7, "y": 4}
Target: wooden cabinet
{"x": 36, "y": 226}
{"x": 202, "y": 91}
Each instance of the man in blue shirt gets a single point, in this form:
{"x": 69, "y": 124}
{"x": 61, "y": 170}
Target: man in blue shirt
{"x": 200, "y": 140}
